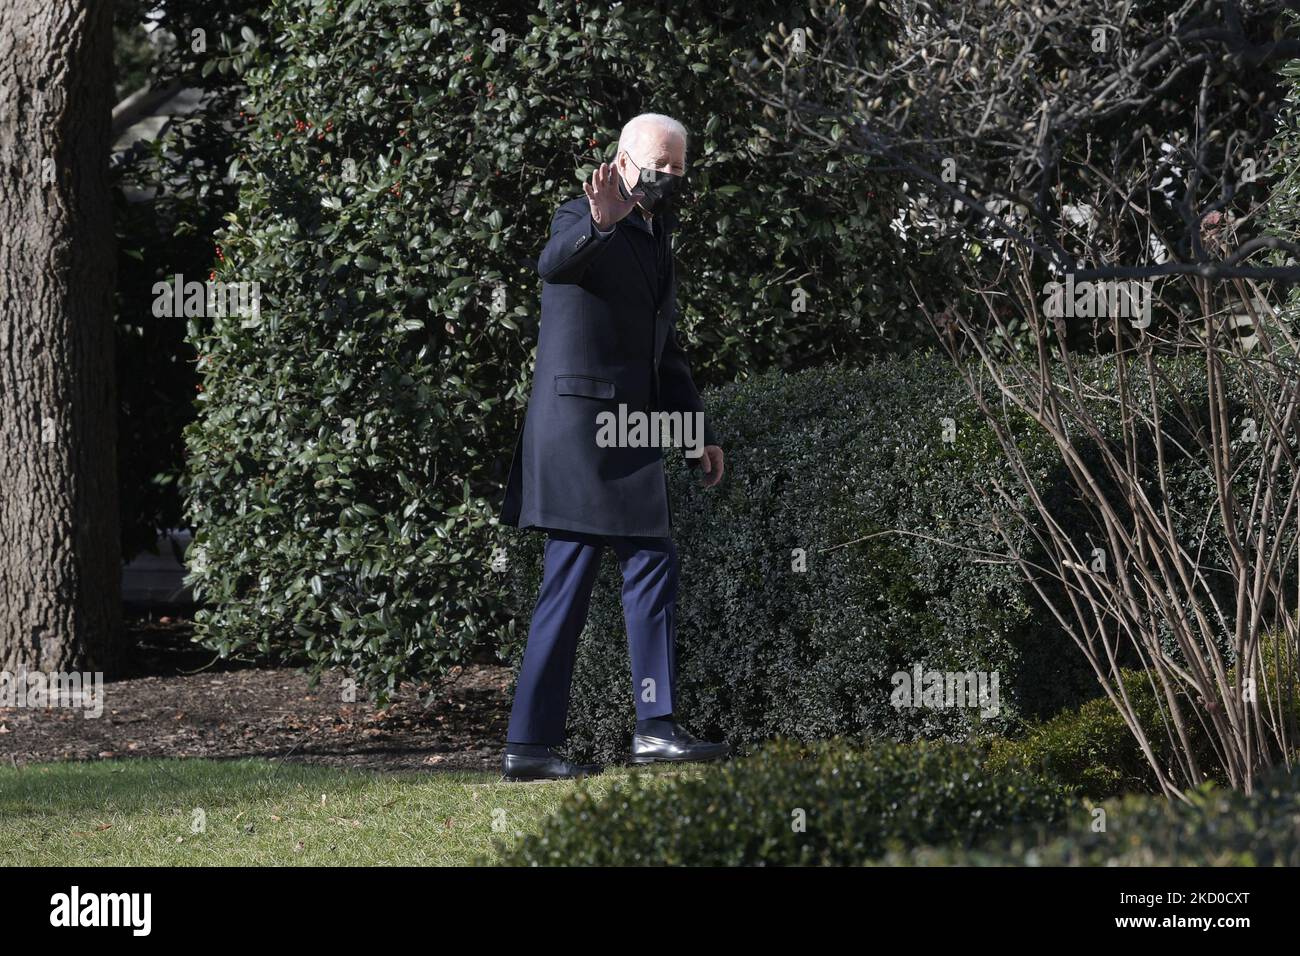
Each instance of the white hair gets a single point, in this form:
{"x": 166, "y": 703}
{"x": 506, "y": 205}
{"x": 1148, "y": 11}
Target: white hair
{"x": 633, "y": 129}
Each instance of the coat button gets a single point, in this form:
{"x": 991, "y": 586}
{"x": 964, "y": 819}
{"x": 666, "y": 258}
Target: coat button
{"x": 580, "y": 242}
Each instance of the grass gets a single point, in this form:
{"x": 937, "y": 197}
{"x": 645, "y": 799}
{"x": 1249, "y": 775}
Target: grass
{"x": 263, "y": 813}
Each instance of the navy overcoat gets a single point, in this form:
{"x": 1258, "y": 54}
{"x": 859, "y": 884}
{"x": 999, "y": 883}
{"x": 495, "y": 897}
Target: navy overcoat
{"x": 607, "y": 337}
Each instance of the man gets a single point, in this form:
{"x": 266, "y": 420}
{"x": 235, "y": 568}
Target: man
{"x": 607, "y": 345}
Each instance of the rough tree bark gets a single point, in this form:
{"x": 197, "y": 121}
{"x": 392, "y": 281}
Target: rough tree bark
{"x": 60, "y": 567}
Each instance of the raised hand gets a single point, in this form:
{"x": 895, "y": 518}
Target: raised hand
{"x": 607, "y": 205}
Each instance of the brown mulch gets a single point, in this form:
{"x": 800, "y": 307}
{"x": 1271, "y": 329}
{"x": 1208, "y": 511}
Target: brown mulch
{"x": 177, "y": 701}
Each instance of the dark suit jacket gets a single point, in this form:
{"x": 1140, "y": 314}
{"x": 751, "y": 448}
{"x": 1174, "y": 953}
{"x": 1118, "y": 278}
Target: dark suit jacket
{"x": 607, "y": 337}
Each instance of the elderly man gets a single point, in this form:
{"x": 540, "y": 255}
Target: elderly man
{"x": 607, "y": 347}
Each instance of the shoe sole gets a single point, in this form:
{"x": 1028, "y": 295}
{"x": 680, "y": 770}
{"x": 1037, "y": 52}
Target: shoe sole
{"x": 644, "y": 759}
{"x": 578, "y": 776}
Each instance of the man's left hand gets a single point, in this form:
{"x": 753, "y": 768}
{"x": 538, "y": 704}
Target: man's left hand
{"x": 711, "y": 465}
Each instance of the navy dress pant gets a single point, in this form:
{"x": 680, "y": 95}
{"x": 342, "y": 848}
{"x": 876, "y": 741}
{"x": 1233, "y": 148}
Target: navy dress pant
{"x": 649, "y": 567}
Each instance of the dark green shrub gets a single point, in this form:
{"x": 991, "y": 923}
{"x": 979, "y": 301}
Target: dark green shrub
{"x": 1281, "y": 214}
{"x": 816, "y": 460}
{"x": 856, "y": 801}
{"x": 1091, "y": 751}
{"x": 819, "y": 461}
{"x": 830, "y": 457}
{"x": 1090, "y": 748}
{"x": 1219, "y": 828}
{"x": 398, "y": 173}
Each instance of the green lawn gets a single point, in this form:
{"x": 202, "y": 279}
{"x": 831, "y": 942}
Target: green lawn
{"x": 262, "y": 813}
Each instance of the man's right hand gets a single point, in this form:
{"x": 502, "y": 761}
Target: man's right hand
{"x": 607, "y": 205}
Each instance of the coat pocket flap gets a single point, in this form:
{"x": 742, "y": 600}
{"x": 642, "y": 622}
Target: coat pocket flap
{"x": 584, "y": 385}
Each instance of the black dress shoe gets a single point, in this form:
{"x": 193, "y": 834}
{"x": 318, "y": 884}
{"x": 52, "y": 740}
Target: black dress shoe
{"x": 550, "y": 767}
{"x": 681, "y": 747}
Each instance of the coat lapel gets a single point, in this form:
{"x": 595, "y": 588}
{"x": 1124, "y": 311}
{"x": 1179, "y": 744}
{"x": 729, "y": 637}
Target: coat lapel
{"x": 667, "y": 293}
{"x": 662, "y": 294}
{"x": 643, "y": 252}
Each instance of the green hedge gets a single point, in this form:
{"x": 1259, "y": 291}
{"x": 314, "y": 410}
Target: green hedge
{"x": 831, "y": 803}
{"x": 1219, "y": 828}
{"x": 1091, "y": 751}
{"x": 816, "y": 460}
{"x": 398, "y": 165}
{"x": 1089, "y": 748}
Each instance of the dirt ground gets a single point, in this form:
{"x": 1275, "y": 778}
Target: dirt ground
{"x": 178, "y": 701}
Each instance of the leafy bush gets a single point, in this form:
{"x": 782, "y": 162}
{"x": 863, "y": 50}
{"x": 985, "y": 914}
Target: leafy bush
{"x": 1091, "y": 751}
{"x": 832, "y": 803}
{"x": 397, "y": 174}
{"x": 821, "y": 461}
{"x": 1281, "y": 214}
{"x": 1219, "y": 828}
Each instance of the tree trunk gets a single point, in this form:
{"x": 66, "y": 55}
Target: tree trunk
{"x": 60, "y": 563}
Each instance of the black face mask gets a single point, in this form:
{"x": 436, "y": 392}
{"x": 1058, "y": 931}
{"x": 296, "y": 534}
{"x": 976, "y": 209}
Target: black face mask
{"x": 659, "y": 188}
